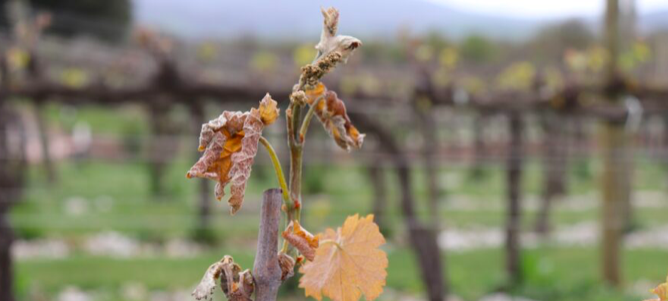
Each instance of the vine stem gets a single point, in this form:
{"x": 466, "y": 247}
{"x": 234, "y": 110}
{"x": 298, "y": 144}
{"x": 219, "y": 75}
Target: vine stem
{"x": 295, "y": 145}
{"x": 277, "y": 168}
{"x": 296, "y": 117}
{"x": 308, "y": 117}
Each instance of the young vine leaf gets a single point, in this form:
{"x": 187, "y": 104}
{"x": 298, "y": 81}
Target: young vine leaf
{"x": 230, "y": 143}
{"x": 348, "y": 262}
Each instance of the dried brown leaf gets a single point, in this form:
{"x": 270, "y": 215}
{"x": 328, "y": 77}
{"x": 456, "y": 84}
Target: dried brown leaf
{"x": 332, "y": 49}
{"x": 243, "y": 288}
{"x": 331, "y": 112}
{"x": 287, "y": 264}
{"x": 230, "y": 143}
{"x": 330, "y": 42}
{"x": 237, "y": 285}
{"x": 301, "y": 239}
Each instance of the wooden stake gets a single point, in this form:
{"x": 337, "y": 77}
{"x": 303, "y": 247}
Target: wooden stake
{"x": 514, "y": 182}
{"x": 266, "y": 271}
{"x": 614, "y": 178}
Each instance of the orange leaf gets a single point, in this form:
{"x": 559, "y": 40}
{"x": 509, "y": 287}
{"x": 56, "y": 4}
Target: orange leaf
{"x": 268, "y": 110}
{"x": 301, "y": 239}
{"x": 331, "y": 112}
{"x": 348, "y": 263}
{"x": 230, "y": 143}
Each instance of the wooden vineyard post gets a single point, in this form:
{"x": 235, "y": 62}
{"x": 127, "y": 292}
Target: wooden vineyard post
{"x": 554, "y": 169}
{"x": 266, "y": 271}
{"x": 376, "y": 175}
{"x": 423, "y": 238}
{"x": 7, "y": 189}
{"x": 614, "y": 189}
{"x": 12, "y": 175}
{"x": 514, "y": 186}
{"x": 614, "y": 177}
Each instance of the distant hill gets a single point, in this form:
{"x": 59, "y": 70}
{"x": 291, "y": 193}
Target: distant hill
{"x": 271, "y": 19}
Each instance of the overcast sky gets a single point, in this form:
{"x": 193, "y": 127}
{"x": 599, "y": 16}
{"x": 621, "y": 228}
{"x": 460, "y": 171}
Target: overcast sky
{"x": 545, "y": 8}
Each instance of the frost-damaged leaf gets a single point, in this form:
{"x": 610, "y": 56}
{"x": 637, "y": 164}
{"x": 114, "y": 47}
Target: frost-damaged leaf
{"x": 330, "y": 42}
{"x": 331, "y": 112}
{"x": 287, "y": 265}
{"x": 242, "y": 289}
{"x": 301, "y": 239}
{"x": 661, "y": 291}
{"x": 348, "y": 263}
{"x": 237, "y": 285}
{"x": 332, "y": 49}
{"x": 230, "y": 143}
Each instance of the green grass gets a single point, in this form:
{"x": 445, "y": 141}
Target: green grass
{"x": 550, "y": 274}
{"x": 341, "y": 191}
{"x": 331, "y": 193}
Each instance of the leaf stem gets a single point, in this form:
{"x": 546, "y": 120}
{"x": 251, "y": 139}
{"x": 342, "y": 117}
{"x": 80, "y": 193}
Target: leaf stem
{"x": 308, "y": 117}
{"x": 331, "y": 242}
{"x": 277, "y": 168}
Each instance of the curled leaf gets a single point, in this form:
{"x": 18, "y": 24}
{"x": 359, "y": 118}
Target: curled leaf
{"x": 331, "y": 112}
{"x": 330, "y": 42}
{"x": 207, "y": 285}
{"x": 230, "y": 143}
{"x": 348, "y": 263}
{"x": 287, "y": 264}
{"x": 301, "y": 239}
{"x": 237, "y": 285}
{"x": 268, "y": 110}
{"x": 330, "y": 20}
{"x": 332, "y": 49}
{"x": 242, "y": 289}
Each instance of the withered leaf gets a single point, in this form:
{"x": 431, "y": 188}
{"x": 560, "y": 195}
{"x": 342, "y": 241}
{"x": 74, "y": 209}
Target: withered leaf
{"x": 268, "y": 110}
{"x": 332, "y": 49}
{"x": 237, "y": 285}
{"x": 331, "y": 112}
{"x": 287, "y": 264}
{"x": 301, "y": 239}
{"x": 230, "y": 144}
{"x": 348, "y": 263}
{"x": 241, "y": 289}
{"x": 330, "y": 42}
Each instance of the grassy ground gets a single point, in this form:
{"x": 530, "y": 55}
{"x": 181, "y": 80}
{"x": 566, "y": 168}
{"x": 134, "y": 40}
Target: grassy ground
{"x": 551, "y": 274}
{"x": 117, "y": 196}
{"x": 95, "y": 196}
